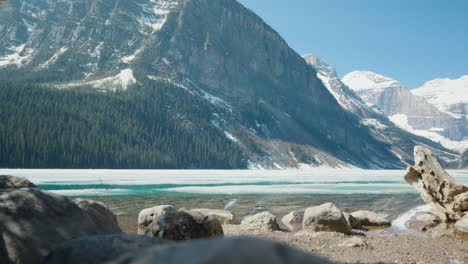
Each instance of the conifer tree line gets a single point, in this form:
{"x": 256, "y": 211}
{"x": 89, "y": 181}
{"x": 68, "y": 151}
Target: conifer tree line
{"x": 151, "y": 126}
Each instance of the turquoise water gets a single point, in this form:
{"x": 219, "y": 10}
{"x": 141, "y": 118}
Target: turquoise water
{"x": 150, "y": 182}
{"x": 126, "y": 192}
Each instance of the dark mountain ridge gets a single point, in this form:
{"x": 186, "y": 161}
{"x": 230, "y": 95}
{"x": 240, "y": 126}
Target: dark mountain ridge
{"x": 260, "y": 93}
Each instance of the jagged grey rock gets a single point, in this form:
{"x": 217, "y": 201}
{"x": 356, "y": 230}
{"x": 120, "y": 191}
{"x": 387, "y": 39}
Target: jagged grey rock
{"x": 436, "y": 187}
{"x": 100, "y": 249}
{"x": 146, "y": 216}
{"x": 261, "y": 221}
{"x": 293, "y": 220}
{"x": 326, "y": 217}
{"x": 223, "y": 216}
{"x": 11, "y": 182}
{"x": 184, "y": 225}
{"x": 33, "y": 221}
{"x": 101, "y": 215}
{"x": 353, "y": 223}
{"x": 226, "y": 251}
{"x": 369, "y": 218}
{"x": 462, "y": 224}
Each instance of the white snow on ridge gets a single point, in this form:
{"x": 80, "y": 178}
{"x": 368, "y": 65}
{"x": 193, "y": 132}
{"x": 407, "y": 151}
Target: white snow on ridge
{"x": 366, "y": 80}
{"x": 53, "y": 59}
{"x": 130, "y": 58}
{"x": 154, "y": 14}
{"x": 16, "y": 58}
{"x": 445, "y": 92}
{"x": 215, "y": 100}
{"x": 401, "y": 120}
{"x": 373, "y": 123}
{"x": 231, "y": 137}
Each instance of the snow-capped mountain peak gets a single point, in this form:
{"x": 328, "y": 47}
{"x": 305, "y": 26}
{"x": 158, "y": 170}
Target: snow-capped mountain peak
{"x": 448, "y": 95}
{"x": 366, "y": 80}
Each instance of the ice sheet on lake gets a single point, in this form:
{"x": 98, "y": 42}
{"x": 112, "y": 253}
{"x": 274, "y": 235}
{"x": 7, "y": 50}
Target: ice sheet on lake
{"x": 132, "y": 182}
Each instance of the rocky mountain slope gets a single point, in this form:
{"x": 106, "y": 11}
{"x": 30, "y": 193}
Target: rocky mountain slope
{"x": 371, "y": 116}
{"x": 261, "y": 94}
{"x": 408, "y": 111}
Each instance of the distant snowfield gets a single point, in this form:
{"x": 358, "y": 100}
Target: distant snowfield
{"x": 145, "y": 182}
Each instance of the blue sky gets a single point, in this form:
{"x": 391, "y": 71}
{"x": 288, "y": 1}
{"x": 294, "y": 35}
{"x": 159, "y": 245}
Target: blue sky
{"x": 413, "y": 41}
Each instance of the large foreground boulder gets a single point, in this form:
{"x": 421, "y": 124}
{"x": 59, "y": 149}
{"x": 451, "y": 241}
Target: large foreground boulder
{"x": 100, "y": 214}
{"x": 11, "y": 182}
{"x": 369, "y": 218}
{"x": 447, "y": 198}
{"x": 326, "y": 217}
{"x": 226, "y": 251}
{"x": 293, "y": 220}
{"x": 33, "y": 221}
{"x": 100, "y": 249}
{"x": 146, "y": 216}
{"x": 262, "y": 221}
{"x": 184, "y": 225}
{"x": 223, "y": 216}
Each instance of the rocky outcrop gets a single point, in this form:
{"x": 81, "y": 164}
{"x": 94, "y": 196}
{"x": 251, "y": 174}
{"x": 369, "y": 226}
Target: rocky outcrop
{"x": 184, "y": 225}
{"x": 100, "y": 249}
{"x": 462, "y": 224}
{"x": 423, "y": 221}
{"x": 223, "y": 216}
{"x": 447, "y": 198}
{"x": 11, "y": 182}
{"x": 100, "y": 214}
{"x": 261, "y": 221}
{"x": 369, "y": 218}
{"x": 34, "y": 221}
{"x": 326, "y": 217}
{"x": 227, "y": 251}
{"x": 293, "y": 220}
{"x": 146, "y": 216}
{"x": 353, "y": 222}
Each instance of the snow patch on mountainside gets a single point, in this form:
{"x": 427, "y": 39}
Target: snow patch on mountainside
{"x": 19, "y": 56}
{"x": 444, "y": 93}
{"x": 231, "y": 137}
{"x": 53, "y": 59}
{"x": 372, "y": 122}
{"x": 215, "y": 100}
{"x": 120, "y": 81}
{"x": 401, "y": 120}
{"x": 155, "y": 12}
{"x": 130, "y": 58}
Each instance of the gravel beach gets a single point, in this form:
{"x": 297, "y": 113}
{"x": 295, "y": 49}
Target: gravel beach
{"x": 378, "y": 247}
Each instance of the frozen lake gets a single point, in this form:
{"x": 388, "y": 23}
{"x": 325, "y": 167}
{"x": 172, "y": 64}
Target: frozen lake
{"x": 219, "y": 182}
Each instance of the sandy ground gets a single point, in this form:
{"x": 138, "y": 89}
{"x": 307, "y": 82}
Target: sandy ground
{"x": 379, "y": 248}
